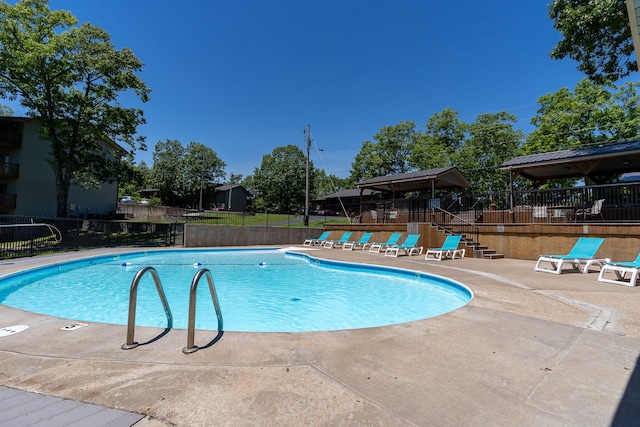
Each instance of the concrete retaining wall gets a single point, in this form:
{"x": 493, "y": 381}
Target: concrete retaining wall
{"x": 203, "y": 235}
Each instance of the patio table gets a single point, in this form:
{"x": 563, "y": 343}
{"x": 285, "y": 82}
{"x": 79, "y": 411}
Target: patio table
{"x": 569, "y": 210}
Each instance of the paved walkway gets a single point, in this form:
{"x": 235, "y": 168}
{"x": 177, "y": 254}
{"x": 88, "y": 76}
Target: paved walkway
{"x": 21, "y": 408}
{"x": 531, "y": 349}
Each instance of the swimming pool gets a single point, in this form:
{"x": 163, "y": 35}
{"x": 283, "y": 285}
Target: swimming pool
{"x": 259, "y": 290}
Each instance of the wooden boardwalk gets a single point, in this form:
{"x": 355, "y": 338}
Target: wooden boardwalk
{"x": 20, "y": 408}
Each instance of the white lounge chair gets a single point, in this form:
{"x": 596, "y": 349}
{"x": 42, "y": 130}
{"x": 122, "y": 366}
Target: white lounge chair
{"x": 359, "y": 244}
{"x": 449, "y": 249}
{"x": 582, "y": 253}
{"x": 621, "y": 269}
{"x": 318, "y": 241}
{"x": 409, "y": 246}
{"x": 392, "y": 240}
{"x": 335, "y": 243}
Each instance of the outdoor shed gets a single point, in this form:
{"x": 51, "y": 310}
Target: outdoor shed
{"x": 232, "y": 197}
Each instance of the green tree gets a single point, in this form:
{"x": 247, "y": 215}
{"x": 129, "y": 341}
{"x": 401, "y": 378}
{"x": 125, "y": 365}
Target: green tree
{"x": 326, "y": 184}
{"x": 589, "y": 114}
{"x": 279, "y": 184}
{"x": 492, "y": 141}
{"x": 203, "y": 170}
{"x": 132, "y": 177}
{"x": 168, "y": 171}
{"x": 444, "y": 135}
{"x": 179, "y": 173}
{"x": 597, "y": 35}
{"x": 389, "y": 153}
{"x": 6, "y": 111}
{"x": 69, "y": 78}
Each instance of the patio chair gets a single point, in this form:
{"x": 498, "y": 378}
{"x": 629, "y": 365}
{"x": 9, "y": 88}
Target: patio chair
{"x": 336, "y": 243}
{"x": 449, "y": 249}
{"x": 409, "y": 246}
{"x": 559, "y": 214}
{"x": 621, "y": 269}
{"x": 582, "y": 253}
{"x": 374, "y": 215}
{"x": 540, "y": 212}
{"x": 392, "y": 240}
{"x": 393, "y": 216}
{"x": 359, "y": 244}
{"x": 318, "y": 241}
{"x": 594, "y": 211}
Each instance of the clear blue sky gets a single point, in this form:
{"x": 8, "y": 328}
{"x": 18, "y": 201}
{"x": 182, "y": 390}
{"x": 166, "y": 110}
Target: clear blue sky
{"x": 246, "y": 76}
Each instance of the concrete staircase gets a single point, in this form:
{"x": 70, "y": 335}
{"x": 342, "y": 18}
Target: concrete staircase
{"x": 484, "y": 252}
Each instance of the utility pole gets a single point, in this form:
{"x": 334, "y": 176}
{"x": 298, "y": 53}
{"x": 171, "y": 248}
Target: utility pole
{"x": 307, "y": 137}
{"x": 201, "y": 183}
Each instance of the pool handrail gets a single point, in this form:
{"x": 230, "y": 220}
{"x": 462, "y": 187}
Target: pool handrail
{"x": 133, "y": 296}
{"x": 191, "y": 348}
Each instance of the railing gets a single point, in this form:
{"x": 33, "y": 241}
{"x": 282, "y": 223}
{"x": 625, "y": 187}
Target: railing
{"x": 455, "y": 224}
{"x": 133, "y": 296}
{"x": 9, "y": 170}
{"x": 19, "y": 237}
{"x": 621, "y": 204}
{"x": 191, "y": 348}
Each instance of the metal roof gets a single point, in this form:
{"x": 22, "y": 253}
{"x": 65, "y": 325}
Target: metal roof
{"x": 598, "y": 162}
{"x": 349, "y": 192}
{"x": 449, "y": 177}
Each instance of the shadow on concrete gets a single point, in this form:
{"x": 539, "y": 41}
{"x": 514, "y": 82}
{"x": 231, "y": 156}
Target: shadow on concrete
{"x": 217, "y": 338}
{"x": 628, "y": 412}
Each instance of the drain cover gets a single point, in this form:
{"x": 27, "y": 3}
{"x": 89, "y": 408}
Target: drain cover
{"x": 10, "y": 330}
{"x": 73, "y": 326}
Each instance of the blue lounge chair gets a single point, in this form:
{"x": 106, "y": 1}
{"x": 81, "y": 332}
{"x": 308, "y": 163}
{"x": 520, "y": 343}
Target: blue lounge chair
{"x": 392, "y": 240}
{"x": 582, "y": 253}
{"x": 318, "y": 241}
{"x": 449, "y": 249}
{"x": 335, "y": 243}
{"x": 360, "y": 244}
{"x": 409, "y": 246}
{"x": 621, "y": 269}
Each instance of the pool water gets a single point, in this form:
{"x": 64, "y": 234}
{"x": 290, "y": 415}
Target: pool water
{"x": 258, "y": 291}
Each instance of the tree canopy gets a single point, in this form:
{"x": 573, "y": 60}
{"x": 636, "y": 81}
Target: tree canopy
{"x": 279, "y": 184}
{"x": 388, "y": 154}
{"x": 596, "y": 34}
{"x": 180, "y": 172}
{"x": 589, "y": 114}
{"x": 69, "y": 78}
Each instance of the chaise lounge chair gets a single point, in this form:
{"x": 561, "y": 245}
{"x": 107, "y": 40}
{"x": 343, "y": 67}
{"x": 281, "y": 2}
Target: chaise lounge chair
{"x": 449, "y": 249}
{"x": 409, "y": 246}
{"x": 318, "y": 241}
{"x": 582, "y": 253}
{"x": 359, "y": 244}
{"x": 621, "y": 269}
{"x": 336, "y": 243}
{"x": 392, "y": 240}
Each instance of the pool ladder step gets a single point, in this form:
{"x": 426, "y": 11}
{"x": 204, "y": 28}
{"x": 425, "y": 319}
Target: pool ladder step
{"x": 133, "y": 293}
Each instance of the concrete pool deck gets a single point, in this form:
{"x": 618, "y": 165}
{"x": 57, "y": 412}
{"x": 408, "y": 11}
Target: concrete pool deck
{"x": 530, "y": 349}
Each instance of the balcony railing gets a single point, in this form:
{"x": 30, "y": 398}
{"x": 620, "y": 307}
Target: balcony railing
{"x": 9, "y": 170}
{"x": 7, "y": 202}
{"x": 621, "y": 203}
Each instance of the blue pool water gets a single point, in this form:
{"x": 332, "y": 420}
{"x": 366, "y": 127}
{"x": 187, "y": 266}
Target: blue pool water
{"x": 258, "y": 291}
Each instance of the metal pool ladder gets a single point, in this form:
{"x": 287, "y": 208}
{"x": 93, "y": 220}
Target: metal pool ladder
{"x": 191, "y": 348}
{"x": 132, "y": 305}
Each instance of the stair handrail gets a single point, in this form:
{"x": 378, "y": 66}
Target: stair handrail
{"x": 474, "y": 228}
{"x": 133, "y": 296}
{"x": 191, "y": 348}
